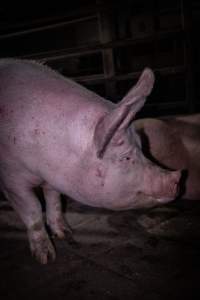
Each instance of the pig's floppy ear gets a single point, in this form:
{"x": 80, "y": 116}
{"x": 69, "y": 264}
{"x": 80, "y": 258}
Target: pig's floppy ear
{"x": 124, "y": 112}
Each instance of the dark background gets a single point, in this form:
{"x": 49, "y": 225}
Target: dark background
{"x": 104, "y": 45}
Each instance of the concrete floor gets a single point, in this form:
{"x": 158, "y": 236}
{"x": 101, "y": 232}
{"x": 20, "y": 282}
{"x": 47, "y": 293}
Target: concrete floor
{"x": 152, "y": 254}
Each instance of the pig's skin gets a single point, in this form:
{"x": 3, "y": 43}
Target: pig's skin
{"x": 174, "y": 142}
{"x": 57, "y": 134}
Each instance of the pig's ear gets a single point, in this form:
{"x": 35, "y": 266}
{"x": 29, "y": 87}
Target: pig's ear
{"x": 124, "y": 112}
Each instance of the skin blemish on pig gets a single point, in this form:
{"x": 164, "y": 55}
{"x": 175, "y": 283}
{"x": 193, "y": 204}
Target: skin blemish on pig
{"x": 14, "y": 140}
{"x": 37, "y": 226}
{"x": 36, "y": 131}
{"x": 98, "y": 173}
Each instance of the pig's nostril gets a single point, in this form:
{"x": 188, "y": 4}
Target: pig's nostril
{"x": 176, "y": 189}
{"x": 177, "y": 176}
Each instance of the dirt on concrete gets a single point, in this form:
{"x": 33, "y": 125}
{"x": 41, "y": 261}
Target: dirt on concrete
{"x": 152, "y": 254}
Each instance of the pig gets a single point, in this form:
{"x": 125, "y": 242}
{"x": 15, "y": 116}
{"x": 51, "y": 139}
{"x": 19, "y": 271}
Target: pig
{"x": 58, "y": 135}
{"x": 174, "y": 142}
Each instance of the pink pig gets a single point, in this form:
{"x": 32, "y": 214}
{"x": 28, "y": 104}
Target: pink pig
{"x": 56, "y": 134}
{"x": 174, "y": 143}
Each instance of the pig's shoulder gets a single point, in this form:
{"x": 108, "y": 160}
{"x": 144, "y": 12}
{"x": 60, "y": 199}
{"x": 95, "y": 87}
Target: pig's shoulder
{"x": 162, "y": 141}
{"x": 187, "y": 126}
{"x": 22, "y": 66}
{"x": 193, "y": 119}
{"x": 153, "y": 126}
{"x": 159, "y": 132}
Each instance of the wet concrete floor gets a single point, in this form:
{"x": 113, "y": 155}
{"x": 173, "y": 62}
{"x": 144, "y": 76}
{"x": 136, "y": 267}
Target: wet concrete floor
{"x": 152, "y": 254}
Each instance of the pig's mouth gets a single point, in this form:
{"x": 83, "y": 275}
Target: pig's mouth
{"x": 165, "y": 188}
{"x": 149, "y": 200}
{"x": 166, "y": 196}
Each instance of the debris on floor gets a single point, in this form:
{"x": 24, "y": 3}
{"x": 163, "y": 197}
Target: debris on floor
{"x": 152, "y": 254}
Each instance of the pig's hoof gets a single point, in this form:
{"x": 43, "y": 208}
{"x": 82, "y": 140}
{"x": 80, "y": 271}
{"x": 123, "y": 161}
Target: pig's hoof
{"x": 42, "y": 248}
{"x": 59, "y": 227}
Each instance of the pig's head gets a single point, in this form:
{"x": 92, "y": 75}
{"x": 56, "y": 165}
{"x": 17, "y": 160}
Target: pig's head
{"x": 130, "y": 179}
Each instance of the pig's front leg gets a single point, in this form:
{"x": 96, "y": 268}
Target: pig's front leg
{"x": 54, "y": 215}
{"x": 29, "y": 209}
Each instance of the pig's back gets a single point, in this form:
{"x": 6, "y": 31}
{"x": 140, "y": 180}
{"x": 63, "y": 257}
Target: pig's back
{"x": 26, "y": 81}
{"x": 33, "y": 96}
{"x": 42, "y": 113}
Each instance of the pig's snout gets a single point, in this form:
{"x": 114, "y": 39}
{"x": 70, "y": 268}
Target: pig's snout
{"x": 165, "y": 185}
{"x": 174, "y": 181}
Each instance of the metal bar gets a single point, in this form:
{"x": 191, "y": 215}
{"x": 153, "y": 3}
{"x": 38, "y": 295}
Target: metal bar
{"x": 106, "y": 37}
{"x": 162, "y": 71}
{"x": 67, "y": 52}
{"x": 45, "y": 27}
{"x": 100, "y": 77}
{"x": 188, "y": 54}
{"x": 91, "y": 78}
{"x": 55, "y": 19}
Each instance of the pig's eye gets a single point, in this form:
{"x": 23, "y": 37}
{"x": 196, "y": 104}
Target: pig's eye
{"x": 128, "y": 158}
{"x": 125, "y": 158}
